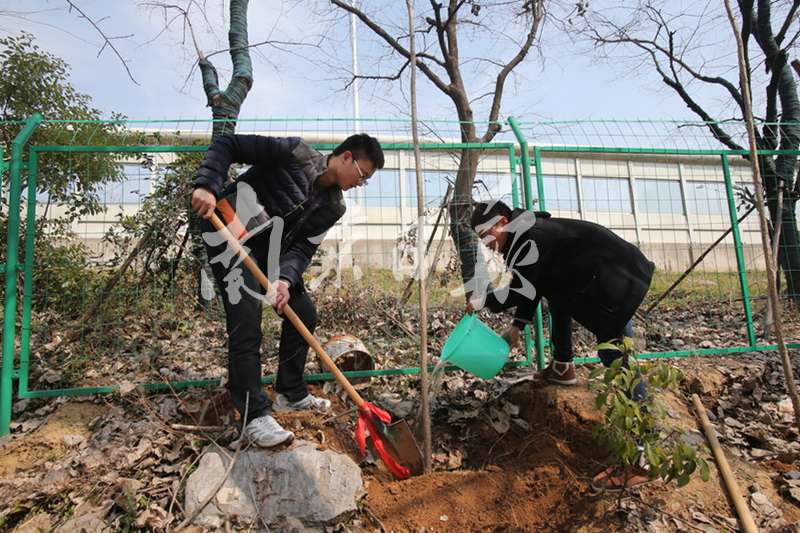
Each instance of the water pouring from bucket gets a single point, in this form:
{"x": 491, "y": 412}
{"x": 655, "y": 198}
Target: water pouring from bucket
{"x": 476, "y": 348}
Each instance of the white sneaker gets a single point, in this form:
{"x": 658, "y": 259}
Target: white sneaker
{"x": 265, "y": 432}
{"x": 282, "y": 404}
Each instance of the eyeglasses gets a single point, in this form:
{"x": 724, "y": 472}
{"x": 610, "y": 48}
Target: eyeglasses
{"x": 360, "y": 172}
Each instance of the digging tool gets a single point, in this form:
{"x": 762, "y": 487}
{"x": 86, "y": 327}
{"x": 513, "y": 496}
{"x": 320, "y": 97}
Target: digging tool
{"x": 393, "y": 442}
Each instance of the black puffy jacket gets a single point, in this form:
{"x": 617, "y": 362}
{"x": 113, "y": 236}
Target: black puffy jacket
{"x": 592, "y": 274}
{"x": 284, "y": 176}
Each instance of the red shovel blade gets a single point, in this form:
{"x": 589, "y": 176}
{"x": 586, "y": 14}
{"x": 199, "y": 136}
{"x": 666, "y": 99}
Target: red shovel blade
{"x": 376, "y": 420}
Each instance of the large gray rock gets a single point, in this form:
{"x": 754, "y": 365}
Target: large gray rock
{"x": 311, "y": 485}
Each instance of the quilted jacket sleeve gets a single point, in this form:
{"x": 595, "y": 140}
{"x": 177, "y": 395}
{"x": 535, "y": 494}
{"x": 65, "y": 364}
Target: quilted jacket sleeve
{"x": 245, "y": 149}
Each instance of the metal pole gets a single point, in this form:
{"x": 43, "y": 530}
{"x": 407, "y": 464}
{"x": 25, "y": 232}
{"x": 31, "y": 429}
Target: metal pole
{"x": 12, "y": 256}
{"x": 27, "y": 290}
{"x": 526, "y": 176}
{"x": 512, "y": 159}
{"x": 356, "y": 101}
{"x": 537, "y": 158}
{"x": 737, "y": 243}
{"x": 357, "y": 194}
{"x": 354, "y": 53}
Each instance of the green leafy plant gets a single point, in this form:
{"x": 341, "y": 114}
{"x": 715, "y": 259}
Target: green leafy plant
{"x": 631, "y": 429}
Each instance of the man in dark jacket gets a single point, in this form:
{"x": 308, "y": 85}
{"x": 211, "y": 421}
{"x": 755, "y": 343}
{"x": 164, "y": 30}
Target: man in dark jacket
{"x": 585, "y": 272}
{"x": 300, "y": 192}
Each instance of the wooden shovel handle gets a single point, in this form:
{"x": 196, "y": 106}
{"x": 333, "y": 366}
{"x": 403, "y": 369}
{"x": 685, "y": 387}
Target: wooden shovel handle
{"x": 289, "y": 312}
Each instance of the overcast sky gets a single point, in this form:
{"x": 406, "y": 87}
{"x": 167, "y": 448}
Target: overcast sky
{"x": 559, "y": 81}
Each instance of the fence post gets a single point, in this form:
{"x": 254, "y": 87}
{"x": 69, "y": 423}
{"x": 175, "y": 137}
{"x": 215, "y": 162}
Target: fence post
{"x": 12, "y": 256}
{"x": 526, "y": 180}
{"x": 737, "y": 243}
{"x": 27, "y": 290}
{"x": 513, "y": 161}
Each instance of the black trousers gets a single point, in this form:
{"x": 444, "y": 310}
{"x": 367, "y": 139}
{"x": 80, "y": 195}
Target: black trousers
{"x": 561, "y": 337}
{"x": 242, "y": 297}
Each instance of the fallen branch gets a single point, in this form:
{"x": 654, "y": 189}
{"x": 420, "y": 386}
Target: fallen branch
{"x": 745, "y": 518}
{"x": 198, "y": 429}
{"x": 340, "y": 415}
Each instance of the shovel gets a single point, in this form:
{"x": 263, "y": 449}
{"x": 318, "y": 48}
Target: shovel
{"x": 394, "y": 442}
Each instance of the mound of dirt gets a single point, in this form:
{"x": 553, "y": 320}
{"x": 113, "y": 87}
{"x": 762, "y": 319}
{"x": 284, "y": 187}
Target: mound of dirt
{"x": 533, "y": 480}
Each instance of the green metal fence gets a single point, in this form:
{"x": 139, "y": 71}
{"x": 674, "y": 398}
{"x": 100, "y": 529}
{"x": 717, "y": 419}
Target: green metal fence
{"x": 508, "y": 163}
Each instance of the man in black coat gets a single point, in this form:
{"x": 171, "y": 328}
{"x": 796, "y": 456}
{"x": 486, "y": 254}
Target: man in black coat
{"x": 586, "y": 273}
{"x": 300, "y": 192}
{"x": 584, "y": 270}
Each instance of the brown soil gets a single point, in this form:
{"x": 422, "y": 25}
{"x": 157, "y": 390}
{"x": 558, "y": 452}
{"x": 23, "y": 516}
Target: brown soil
{"x": 534, "y": 479}
{"x": 539, "y": 481}
{"x": 535, "y": 482}
{"x": 47, "y": 442}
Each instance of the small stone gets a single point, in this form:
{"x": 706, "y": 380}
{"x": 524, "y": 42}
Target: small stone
{"x": 792, "y": 474}
{"x": 511, "y": 409}
{"x": 73, "y": 440}
{"x": 706, "y": 344}
{"x": 733, "y": 423}
{"x": 758, "y": 453}
{"x": 763, "y": 507}
{"x": 51, "y": 376}
{"x": 785, "y": 405}
{"x": 126, "y": 387}
{"x": 444, "y": 518}
{"x": 130, "y": 486}
{"x": 38, "y": 522}
{"x": 21, "y": 405}
{"x": 521, "y": 423}
{"x": 678, "y": 343}
{"x": 396, "y": 404}
{"x": 290, "y": 524}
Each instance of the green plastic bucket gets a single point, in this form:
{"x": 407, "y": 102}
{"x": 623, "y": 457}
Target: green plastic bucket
{"x": 475, "y": 347}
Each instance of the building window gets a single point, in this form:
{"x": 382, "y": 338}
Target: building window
{"x": 706, "y": 198}
{"x": 609, "y": 195}
{"x": 659, "y": 196}
{"x": 561, "y": 193}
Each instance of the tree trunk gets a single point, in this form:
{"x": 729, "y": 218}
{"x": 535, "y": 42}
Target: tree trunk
{"x": 780, "y": 172}
{"x": 225, "y": 107}
{"x": 789, "y": 245}
{"x": 464, "y": 238}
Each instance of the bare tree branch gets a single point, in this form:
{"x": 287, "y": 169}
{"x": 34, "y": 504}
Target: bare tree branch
{"x": 377, "y": 77}
{"x": 106, "y": 39}
{"x": 392, "y": 42}
{"x": 536, "y": 18}
{"x": 271, "y": 42}
{"x": 648, "y": 45}
{"x": 787, "y": 22}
